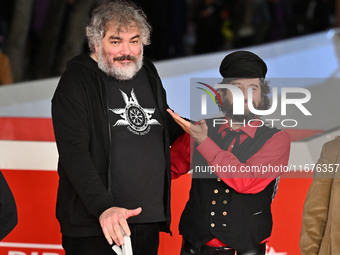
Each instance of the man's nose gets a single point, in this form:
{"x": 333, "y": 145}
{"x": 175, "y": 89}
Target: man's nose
{"x": 245, "y": 92}
{"x": 125, "y": 49}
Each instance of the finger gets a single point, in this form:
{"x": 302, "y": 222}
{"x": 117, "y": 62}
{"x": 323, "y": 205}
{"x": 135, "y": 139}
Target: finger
{"x": 119, "y": 238}
{"x": 124, "y": 225}
{"x": 203, "y": 123}
{"x": 181, "y": 121}
{"x": 205, "y": 127}
{"x": 184, "y": 124}
{"x": 134, "y": 212}
{"x": 107, "y": 236}
{"x": 173, "y": 114}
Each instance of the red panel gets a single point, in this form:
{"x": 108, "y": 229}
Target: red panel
{"x": 35, "y": 194}
{"x": 287, "y": 214}
{"x": 26, "y": 129}
{"x": 171, "y": 245}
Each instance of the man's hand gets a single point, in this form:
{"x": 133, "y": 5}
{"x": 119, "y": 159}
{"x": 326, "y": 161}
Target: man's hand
{"x": 199, "y": 131}
{"x": 113, "y": 219}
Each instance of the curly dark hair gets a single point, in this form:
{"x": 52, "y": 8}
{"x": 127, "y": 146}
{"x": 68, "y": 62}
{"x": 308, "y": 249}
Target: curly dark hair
{"x": 226, "y": 107}
{"x": 121, "y": 13}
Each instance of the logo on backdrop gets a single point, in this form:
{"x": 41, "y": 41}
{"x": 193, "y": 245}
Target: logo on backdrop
{"x": 204, "y": 99}
{"x": 137, "y": 119}
{"x": 238, "y": 103}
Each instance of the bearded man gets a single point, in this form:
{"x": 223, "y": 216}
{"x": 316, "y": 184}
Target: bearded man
{"x": 113, "y": 134}
{"x": 229, "y": 208}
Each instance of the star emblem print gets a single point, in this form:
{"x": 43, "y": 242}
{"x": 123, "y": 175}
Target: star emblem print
{"x": 135, "y": 117}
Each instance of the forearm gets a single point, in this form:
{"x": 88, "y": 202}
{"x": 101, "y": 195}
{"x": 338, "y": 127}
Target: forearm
{"x": 253, "y": 175}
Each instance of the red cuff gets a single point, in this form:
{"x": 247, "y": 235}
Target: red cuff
{"x": 208, "y": 149}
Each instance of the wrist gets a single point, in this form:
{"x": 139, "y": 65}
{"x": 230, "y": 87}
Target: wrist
{"x": 199, "y": 140}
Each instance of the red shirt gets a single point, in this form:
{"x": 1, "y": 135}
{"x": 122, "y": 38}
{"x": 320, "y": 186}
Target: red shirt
{"x": 274, "y": 153}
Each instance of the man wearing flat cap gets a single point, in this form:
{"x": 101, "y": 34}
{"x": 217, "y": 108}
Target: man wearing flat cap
{"x": 229, "y": 209}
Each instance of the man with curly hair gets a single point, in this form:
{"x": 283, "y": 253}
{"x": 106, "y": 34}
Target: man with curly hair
{"x": 229, "y": 208}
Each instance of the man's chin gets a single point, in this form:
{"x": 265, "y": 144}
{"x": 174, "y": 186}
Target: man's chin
{"x": 126, "y": 72}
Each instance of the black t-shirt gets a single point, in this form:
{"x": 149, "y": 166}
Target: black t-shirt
{"x": 137, "y": 149}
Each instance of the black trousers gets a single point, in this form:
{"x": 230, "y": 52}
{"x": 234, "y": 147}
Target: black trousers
{"x": 188, "y": 249}
{"x": 144, "y": 240}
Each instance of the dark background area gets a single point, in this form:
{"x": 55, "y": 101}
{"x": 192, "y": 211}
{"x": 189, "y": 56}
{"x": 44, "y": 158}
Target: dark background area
{"x": 39, "y": 36}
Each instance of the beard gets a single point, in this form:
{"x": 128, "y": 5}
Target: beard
{"x": 127, "y": 72}
{"x": 227, "y": 109}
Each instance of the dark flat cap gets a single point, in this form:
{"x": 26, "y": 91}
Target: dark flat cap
{"x": 243, "y": 64}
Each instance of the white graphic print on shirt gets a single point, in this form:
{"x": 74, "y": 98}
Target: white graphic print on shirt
{"x": 137, "y": 118}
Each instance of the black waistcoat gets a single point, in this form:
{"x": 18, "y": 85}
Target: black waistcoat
{"x": 216, "y": 210}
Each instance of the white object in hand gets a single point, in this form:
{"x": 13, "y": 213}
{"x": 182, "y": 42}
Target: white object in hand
{"x": 126, "y": 248}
